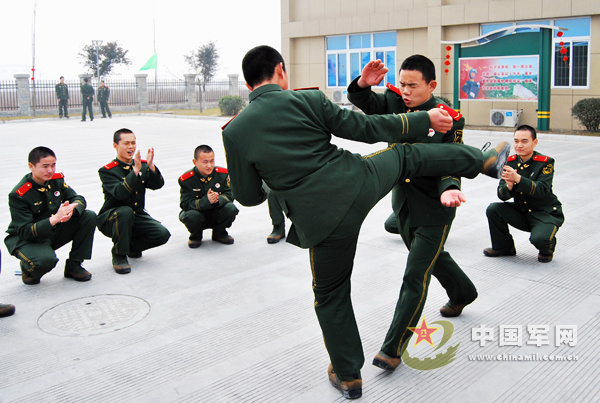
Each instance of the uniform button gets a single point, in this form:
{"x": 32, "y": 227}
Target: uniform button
{"x": 49, "y": 202}
{"x": 407, "y": 180}
{"x": 530, "y": 210}
{"x": 136, "y": 192}
{"x": 554, "y": 208}
{"x": 525, "y": 202}
{"x": 520, "y": 192}
{"x": 135, "y": 204}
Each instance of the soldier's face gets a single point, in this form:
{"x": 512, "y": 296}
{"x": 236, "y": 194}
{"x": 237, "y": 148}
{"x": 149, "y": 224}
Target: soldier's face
{"x": 205, "y": 163}
{"x": 415, "y": 90}
{"x": 43, "y": 170}
{"x": 125, "y": 147}
{"x": 524, "y": 144}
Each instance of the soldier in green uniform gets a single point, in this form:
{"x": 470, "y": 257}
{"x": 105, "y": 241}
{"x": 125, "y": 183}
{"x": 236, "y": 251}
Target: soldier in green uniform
{"x": 62, "y": 95}
{"x": 206, "y": 200}
{"x": 283, "y": 138}
{"x": 527, "y": 178}
{"x": 103, "y": 94}
{"x": 123, "y": 217}
{"x": 419, "y": 217}
{"x": 45, "y": 215}
{"x": 87, "y": 98}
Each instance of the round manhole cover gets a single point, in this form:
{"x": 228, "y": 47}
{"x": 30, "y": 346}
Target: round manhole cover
{"x": 94, "y": 315}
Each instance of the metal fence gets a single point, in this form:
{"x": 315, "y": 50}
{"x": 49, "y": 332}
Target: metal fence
{"x": 169, "y": 92}
{"x": 122, "y": 93}
{"x": 9, "y": 101}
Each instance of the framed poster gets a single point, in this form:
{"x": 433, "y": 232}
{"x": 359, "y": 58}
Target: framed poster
{"x": 512, "y": 78}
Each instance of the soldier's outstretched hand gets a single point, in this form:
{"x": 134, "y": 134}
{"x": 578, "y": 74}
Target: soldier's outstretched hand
{"x": 150, "y": 159}
{"x": 453, "y": 198}
{"x": 137, "y": 162}
{"x": 439, "y": 120}
{"x": 372, "y": 74}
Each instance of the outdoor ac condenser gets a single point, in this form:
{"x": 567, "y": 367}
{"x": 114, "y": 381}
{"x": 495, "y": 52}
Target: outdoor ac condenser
{"x": 503, "y": 117}
{"x": 340, "y": 97}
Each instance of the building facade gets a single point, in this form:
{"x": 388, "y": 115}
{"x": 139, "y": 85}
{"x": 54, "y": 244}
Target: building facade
{"x": 326, "y": 43}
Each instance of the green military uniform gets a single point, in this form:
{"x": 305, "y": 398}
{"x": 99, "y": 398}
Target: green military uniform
{"x": 283, "y": 138}
{"x": 103, "y": 94}
{"x": 197, "y": 213}
{"x": 32, "y": 239}
{"x": 123, "y": 217}
{"x": 62, "y": 94}
{"x": 535, "y": 208}
{"x": 422, "y": 221}
{"x": 87, "y": 98}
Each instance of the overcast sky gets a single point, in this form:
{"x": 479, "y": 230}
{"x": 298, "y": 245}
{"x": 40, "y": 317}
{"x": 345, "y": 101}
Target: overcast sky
{"x": 64, "y": 27}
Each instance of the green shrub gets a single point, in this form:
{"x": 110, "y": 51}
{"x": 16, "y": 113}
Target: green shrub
{"x": 446, "y": 101}
{"x": 231, "y": 104}
{"x": 587, "y": 111}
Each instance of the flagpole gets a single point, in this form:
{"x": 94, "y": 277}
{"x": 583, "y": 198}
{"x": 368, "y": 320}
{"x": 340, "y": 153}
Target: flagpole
{"x": 156, "y": 69}
{"x": 33, "y": 56}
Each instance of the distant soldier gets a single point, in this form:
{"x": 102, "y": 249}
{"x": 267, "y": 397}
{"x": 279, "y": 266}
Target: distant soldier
{"x": 103, "y": 94}
{"x": 62, "y": 94}
{"x": 87, "y": 97}
{"x": 45, "y": 215}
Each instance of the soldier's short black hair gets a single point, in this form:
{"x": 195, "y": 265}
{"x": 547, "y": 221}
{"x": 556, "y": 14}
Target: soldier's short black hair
{"x": 528, "y": 129}
{"x": 117, "y": 135}
{"x": 61, "y": 77}
{"x": 259, "y": 64}
{"x": 38, "y": 153}
{"x": 202, "y": 149}
{"x": 421, "y": 64}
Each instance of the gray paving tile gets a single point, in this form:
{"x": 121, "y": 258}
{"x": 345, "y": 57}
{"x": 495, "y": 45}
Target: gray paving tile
{"x": 236, "y": 323}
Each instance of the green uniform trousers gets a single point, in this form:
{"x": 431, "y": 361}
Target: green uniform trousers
{"x": 62, "y": 108}
{"x": 427, "y": 256}
{"x": 275, "y": 210}
{"x": 332, "y": 260}
{"x": 217, "y": 218}
{"x": 131, "y": 232}
{"x": 104, "y": 109}
{"x": 501, "y": 215}
{"x": 87, "y": 104}
{"x": 39, "y": 258}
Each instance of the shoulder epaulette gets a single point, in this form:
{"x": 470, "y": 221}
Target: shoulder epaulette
{"x": 221, "y": 170}
{"x": 23, "y": 189}
{"x": 144, "y": 161}
{"x": 186, "y": 175}
{"x": 58, "y": 175}
{"x": 541, "y": 158}
{"x": 305, "y": 88}
{"x": 512, "y": 158}
{"x": 111, "y": 164}
{"x": 225, "y": 125}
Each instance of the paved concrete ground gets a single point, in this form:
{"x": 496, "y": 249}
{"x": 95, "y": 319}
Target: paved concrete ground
{"x": 236, "y": 323}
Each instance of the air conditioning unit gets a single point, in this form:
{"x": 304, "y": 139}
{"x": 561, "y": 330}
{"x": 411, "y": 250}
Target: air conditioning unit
{"x": 340, "y": 97}
{"x": 503, "y": 117}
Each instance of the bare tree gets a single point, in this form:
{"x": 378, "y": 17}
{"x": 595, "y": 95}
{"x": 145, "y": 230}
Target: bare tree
{"x": 204, "y": 62}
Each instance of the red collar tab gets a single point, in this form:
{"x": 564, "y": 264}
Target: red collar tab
{"x": 186, "y": 175}
{"x": 111, "y": 165}
{"x": 221, "y": 170}
{"x": 225, "y": 125}
{"x": 58, "y": 175}
{"x": 394, "y": 88}
{"x": 305, "y": 88}
{"x": 511, "y": 158}
{"x": 23, "y": 189}
{"x": 453, "y": 114}
{"x": 541, "y": 158}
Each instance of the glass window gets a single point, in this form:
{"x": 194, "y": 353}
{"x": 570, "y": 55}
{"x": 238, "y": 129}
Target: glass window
{"x": 487, "y": 28}
{"x": 336, "y": 42}
{"x": 547, "y": 22}
{"x": 348, "y": 55}
{"x": 575, "y": 26}
{"x": 384, "y": 39}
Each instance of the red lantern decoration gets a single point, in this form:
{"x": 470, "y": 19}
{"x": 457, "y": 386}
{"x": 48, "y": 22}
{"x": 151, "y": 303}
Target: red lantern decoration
{"x": 446, "y": 71}
{"x": 563, "y": 51}
{"x": 32, "y": 78}
{"x": 448, "y": 48}
{"x": 559, "y": 34}
{"x": 447, "y": 56}
{"x": 32, "y": 69}
{"x": 447, "y": 62}
{"x": 565, "y": 59}
{"x": 561, "y": 43}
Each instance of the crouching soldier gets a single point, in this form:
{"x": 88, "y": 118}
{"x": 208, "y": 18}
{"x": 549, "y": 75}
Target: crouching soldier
{"x": 206, "y": 199}
{"x": 45, "y": 215}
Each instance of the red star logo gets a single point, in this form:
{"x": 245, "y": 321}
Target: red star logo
{"x": 424, "y": 332}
